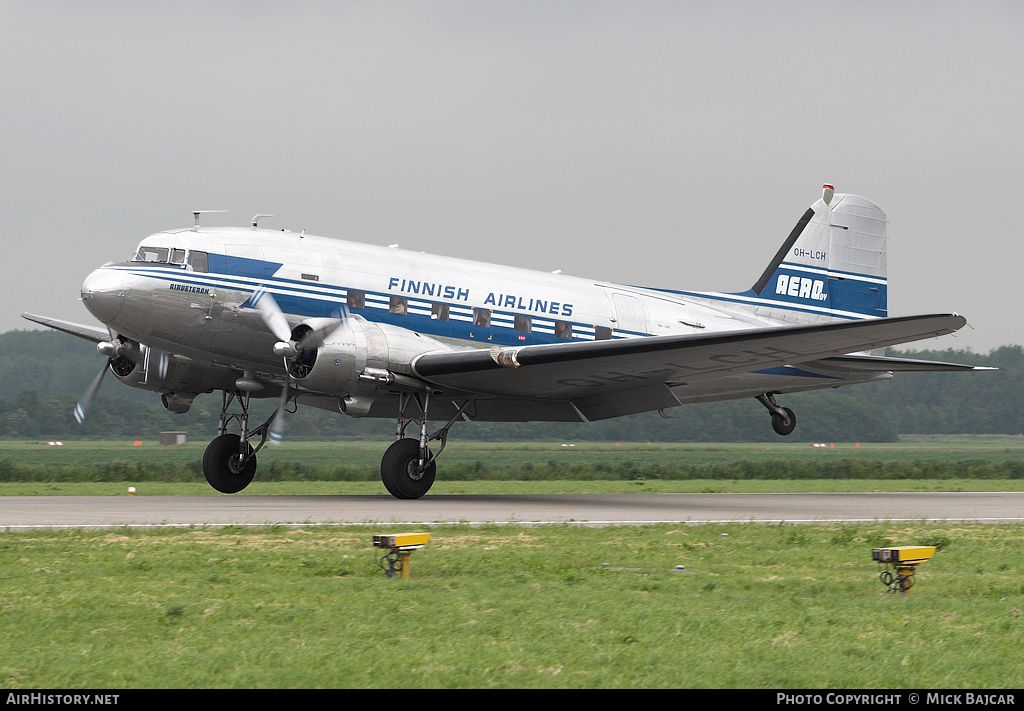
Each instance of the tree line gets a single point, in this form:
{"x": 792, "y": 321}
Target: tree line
{"x": 43, "y": 375}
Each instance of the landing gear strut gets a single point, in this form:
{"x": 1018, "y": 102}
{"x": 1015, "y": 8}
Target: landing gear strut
{"x": 783, "y": 419}
{"x": 408, "y": 467}
{"x": 229, "y": 462}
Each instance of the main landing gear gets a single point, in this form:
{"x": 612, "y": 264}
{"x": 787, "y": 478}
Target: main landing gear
{"x": 408, "y": 467}
{"x": 229, "y": 462}
{"x": 783, "y": 419}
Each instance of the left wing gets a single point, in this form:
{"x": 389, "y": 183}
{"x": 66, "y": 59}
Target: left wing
{"x": 89, "y": 333}
{"x": 572, "y": 371}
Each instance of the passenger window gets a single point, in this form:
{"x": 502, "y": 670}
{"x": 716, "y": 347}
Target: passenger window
{"x": 355, "y": 299}
{"x": 563, "y": 329}
{"x": 482, "y": 317}
{"x": 199, "y": 261}
{"x": 439, "y": 312}
{"x": 523, "y": 324}
{"x": 602, "y": 333}
{"x": 399, "y": 305}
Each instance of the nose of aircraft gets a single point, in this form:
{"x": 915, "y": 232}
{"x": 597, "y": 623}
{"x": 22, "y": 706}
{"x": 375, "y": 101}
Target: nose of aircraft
{"x": 103, "y": 293}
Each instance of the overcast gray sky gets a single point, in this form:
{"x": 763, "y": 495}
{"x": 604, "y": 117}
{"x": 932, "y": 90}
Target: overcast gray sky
{"x": 668, "y": 144}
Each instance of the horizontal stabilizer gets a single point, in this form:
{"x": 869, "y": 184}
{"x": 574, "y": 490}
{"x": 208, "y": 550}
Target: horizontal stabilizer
{"x": 872, "y": 364}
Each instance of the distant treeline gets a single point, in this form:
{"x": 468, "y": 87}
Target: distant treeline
{"x": 43, "y": 374}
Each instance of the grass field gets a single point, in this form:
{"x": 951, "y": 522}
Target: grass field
{"x": 755, "y": 606}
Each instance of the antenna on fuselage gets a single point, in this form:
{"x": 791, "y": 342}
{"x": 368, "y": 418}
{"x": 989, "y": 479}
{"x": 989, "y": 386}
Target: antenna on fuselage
{"x": 256, "y": 218}
{"x": 197, "y": 213}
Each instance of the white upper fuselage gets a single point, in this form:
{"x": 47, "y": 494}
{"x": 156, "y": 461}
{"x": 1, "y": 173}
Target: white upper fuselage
{"x": 173, "y": 304}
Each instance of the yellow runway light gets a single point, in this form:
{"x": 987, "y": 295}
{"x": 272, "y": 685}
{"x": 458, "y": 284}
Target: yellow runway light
{"x": 400, "y": 547}
{"x": 400, "y": 540}
{"x": 900, "y": 565}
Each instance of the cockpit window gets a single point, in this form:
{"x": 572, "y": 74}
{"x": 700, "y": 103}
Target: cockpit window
{"x": 199, "y": 261}
{"x": 152, "y": 254}
{"x": 165, "y": 255}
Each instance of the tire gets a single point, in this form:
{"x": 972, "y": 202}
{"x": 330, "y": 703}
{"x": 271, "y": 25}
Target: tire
{"x": 222, "y": 468}
{"x": 781, "y": 426}
{"x": 398, "y": 470}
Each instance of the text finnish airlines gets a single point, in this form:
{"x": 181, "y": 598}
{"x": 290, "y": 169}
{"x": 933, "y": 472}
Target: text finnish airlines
{"x": 455, "y": 293}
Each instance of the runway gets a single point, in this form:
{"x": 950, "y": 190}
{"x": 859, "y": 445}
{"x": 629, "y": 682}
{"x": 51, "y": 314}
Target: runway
{"x": 33, "y": 512}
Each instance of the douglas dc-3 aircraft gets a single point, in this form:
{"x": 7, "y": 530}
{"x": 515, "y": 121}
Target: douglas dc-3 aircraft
{"x": 380, "y": 332}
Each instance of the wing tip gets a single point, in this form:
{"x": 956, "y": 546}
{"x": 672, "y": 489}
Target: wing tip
{"x": 88, "y": 333}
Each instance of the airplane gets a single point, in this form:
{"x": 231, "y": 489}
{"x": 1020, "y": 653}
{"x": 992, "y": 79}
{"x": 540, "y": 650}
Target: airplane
{"x": 373, "y": 331}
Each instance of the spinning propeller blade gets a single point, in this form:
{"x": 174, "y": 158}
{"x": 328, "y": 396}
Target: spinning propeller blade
{"x": 318, "y": 331}
{"x": 274, "y": 319}
{"x": 272, "y": 315}
{"x": 94, "y": 387}
{"x": 114, "y": 348}
{"x": 316, "y": 337}
{"x": 276, "y": 433}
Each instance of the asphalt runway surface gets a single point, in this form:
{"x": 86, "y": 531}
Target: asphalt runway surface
{"x": 29, "y": 512}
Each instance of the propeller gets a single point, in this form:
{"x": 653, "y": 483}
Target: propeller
{"x": 272, "y": 314}
{"x": 275, "y": 320}
{"x": 114, "y": 348}
{"x": 316, "y": 332}
{"x": 94, "y": 387}
{"x": 277, "y": 426}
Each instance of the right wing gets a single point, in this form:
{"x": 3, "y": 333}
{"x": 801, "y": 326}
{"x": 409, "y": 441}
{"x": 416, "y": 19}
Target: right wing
{"x": 625, "y": 367}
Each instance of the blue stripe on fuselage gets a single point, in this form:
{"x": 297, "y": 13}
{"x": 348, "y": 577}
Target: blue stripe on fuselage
{"x": 795, "y": 285}
{"x": 301, "y": 298}
{"x": 242, "y": 266}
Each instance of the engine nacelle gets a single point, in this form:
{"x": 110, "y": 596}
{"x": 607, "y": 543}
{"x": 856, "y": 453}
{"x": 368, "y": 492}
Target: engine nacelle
{"x": 358, "y": 358}
{"x": 178, "y": 381}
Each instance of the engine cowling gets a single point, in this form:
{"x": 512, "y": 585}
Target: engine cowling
{"x": 359, "y": 358}
{"x": 178, "y": 381}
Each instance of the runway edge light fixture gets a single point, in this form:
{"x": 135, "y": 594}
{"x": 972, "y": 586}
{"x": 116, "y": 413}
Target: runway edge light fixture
{"x": 900, "y": 564}
{"x": 400, "y": 547}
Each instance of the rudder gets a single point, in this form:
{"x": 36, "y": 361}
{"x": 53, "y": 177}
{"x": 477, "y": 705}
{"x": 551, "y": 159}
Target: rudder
{"x": 832, "y": 265}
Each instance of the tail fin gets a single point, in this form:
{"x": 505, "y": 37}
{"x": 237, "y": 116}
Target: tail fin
{"x": 831, "y": 266}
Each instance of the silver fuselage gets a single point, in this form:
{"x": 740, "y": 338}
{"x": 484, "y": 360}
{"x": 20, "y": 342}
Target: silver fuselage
{"x": 192, "y": 301}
